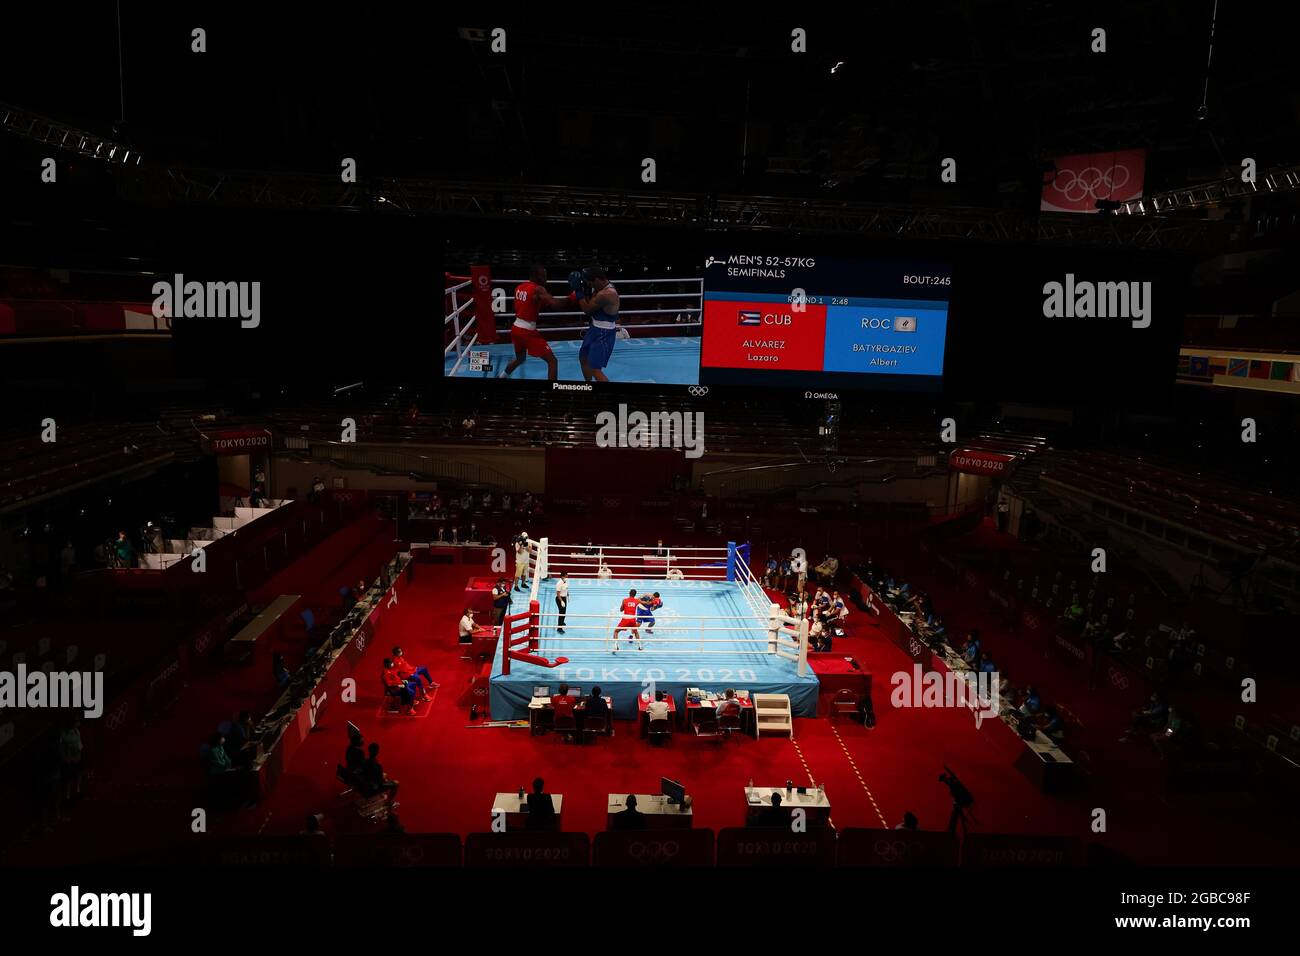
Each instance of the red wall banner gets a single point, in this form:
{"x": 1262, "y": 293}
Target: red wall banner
{"x": 1079, "y": 181}
{"x": 485, "y": 322}
{"x": 973, "y": 462}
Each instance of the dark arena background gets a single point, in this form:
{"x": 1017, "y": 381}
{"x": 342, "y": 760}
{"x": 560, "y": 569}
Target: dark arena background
{"x": 649, "y": 439}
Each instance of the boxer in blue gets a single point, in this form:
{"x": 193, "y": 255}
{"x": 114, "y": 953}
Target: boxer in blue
{"x": 599, "y": 300}
{"x": 645, "y": 612}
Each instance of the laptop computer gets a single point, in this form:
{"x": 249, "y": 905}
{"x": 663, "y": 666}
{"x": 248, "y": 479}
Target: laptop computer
{"x": 541, "y": 692}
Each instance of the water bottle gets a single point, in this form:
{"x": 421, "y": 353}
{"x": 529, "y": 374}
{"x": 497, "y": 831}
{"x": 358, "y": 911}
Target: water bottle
{"x": 521, "y": 794}
{"x": 789, "y": 786}
{"x": 750, "y": 789}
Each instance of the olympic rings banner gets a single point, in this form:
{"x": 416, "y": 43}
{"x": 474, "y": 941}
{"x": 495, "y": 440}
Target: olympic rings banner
{"x": 1079, "y": 181}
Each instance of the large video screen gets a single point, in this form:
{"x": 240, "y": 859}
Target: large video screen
{"x": 734, "y": 318}
{"x": 815, "y": 322}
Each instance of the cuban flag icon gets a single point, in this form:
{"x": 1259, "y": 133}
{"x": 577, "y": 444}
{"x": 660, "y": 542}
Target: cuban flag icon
{"x": 750, "y": 318}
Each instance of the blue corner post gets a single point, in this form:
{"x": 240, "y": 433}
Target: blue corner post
{"x": 731, "y": 561}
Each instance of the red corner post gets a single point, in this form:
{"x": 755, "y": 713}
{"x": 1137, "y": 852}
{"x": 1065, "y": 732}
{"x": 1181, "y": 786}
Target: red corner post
{"x": 534, "y": 624}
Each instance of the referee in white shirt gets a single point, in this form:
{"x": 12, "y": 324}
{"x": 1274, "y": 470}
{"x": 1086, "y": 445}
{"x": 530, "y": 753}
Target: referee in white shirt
{"x": 562, "y": 598}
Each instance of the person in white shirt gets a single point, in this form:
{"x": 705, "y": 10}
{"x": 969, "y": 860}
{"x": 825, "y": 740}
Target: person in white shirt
{"x": 562, "y": 599}
{"x": 522, "y": 560}
{"x": 604, "y": 573}
{"x": 657, "y": 709}
{"x": 467, "y": 627}
{"x": 675, "y": 574}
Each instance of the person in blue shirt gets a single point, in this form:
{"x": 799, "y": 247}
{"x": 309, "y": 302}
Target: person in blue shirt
{"x": 1033, "y": 704}
{"x": 1150, "y": 718}
{"x": 986, "y": 664}
{"x": 971, "y": 652}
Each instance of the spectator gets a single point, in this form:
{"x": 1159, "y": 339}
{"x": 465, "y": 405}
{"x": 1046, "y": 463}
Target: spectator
{"x": 374, "y": 780}
{"x": 442, "y": 535}
{"x": 770, "y": 573}
{"x": 590, "y": 549}
{"x": 487, "y": 501}
{"x": 70, "y": 757}
{"x": 455, "y": 535}
{"x": 67, "y": 562}
{"x": 986, "y": 663}
{"x": 605, "y": 573}
{"x": 660, "y": 551}
{"x": 1150, "y": 718}
{"x": 218, "y": 759}
{"x": 123, "y": 551}
{"x": 629, "y": 818}
{"x": 827, "y": 570}
{"x": 467, "y": 424}
{"x": 971, "y": 652}
{"x": 240, "y": 745}
{"x": 506, "y": 501}
{"x": 1033, "y": 704}
{"x": 818, "y": 639}
{"x": 1054, "y": 728}
{"x": 278, "y": 669}
{"x": 909, "y": 821}
{"x": 541, "y": 809}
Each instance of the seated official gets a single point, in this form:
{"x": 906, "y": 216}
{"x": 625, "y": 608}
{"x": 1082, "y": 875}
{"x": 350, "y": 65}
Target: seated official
{"x": 354, "y": 758}
{"x": 467, "y": 626}
{"x": 562, "y": 703}
{"x": 629, "y": 818}
{"x": 657, "y": 709}
{"x": 373, "y": 779}
{"x": 729, "y": 706}
{"x": 773, "y": 816}
{"x": 909, "y": 821}
{"x": 541, "y": 808}
{"x": 595, "y": 705}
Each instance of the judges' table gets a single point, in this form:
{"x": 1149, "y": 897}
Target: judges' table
{"x": 814, "y": 802}
{"x": 837, "y": 672}
{"x": 516, "y": 809}
{"x": 658, "y": 812}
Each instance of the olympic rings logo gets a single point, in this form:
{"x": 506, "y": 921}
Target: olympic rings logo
{"x": 1091, "y": 182}
{"x": 699, "y": 391}
{"x": 1118, "y": 678}
{"x": 655, "y": 851}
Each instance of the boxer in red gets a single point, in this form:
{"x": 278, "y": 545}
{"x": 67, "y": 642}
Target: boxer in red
{"x": 530, "y": 297}
{"x": 629, "y": 621}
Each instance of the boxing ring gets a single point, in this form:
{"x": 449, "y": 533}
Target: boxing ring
{"x": 664, "y": 350}
{"x": 715, "y": 629}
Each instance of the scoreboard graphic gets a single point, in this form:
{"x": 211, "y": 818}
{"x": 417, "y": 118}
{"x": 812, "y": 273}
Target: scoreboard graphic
{"x": 802, "y": 321}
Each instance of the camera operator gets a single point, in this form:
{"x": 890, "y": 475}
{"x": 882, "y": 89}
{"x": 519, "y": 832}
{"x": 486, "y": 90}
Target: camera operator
{"x": 962, "y": 799}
